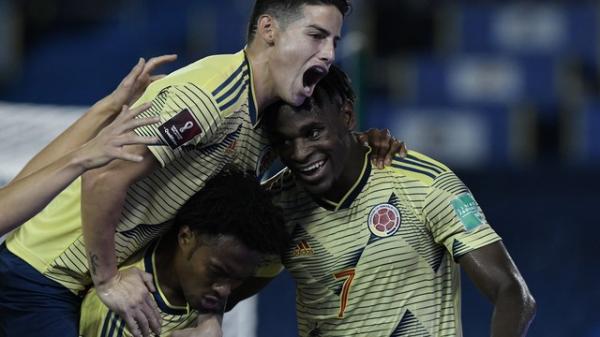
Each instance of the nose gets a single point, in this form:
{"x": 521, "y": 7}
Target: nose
{"x": 300, "y": 151}
{"x": 327, "y": 54}
{"x": 223, "y": 289}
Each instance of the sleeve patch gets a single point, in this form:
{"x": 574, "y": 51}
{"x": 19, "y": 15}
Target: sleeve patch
{"x": 468, "y": 211}
{"x": 180, "y": 129}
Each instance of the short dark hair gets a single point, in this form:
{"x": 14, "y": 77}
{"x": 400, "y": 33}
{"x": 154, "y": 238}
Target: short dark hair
{"x": 233, "y": 203}
{"x": 335, "y": 87}
{"x": 285, "y": 9}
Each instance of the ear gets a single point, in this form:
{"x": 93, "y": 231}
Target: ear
{"x": 347, "y": 111}
{"x": 266, "y": 28}
{"x": 186, "y": 238}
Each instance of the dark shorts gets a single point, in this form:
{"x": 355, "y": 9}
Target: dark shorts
{"x": 32, "y": 304}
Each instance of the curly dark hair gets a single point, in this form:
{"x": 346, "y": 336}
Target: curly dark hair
{"x": 335, "y": 87}
{"x": 285, "y": 10}
{"x": 233, "y": 203}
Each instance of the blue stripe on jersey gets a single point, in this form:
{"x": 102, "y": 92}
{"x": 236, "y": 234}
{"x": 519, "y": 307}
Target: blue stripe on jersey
{"x": 121, "y": 328}
{"x": 252, "y": 105}
{"x": 159, "y": 300}
{"x": 233, "y": 88}
{"x": 414, "y": 170}
{"x": 113, "y": 324}
{"x": 414, "y": 161}
{"x": 235, "y": 98}
{"x": 105, "y": 325}
{"x": 229, "y": 79}
{"x": 425, "y": 162}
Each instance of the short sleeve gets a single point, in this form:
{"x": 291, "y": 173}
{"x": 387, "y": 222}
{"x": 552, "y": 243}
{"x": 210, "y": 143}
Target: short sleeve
{"x": 454, "y": 216}
{"x": 188, "y": 118}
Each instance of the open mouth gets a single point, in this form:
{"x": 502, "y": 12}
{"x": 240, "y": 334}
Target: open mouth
{"x": 312, "y": 169}
{"x": 313, "y": 75}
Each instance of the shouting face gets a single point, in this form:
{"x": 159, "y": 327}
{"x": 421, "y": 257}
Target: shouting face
{"x": 303, "y": 50}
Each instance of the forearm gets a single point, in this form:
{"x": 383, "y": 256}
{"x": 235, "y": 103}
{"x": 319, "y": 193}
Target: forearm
{"x": 102, "y": 198}
{"x": 80, "y": 132}
{"x": 22, "y": 199}
{"x": 513, "y": 312}
{"x": 101, "y": 204}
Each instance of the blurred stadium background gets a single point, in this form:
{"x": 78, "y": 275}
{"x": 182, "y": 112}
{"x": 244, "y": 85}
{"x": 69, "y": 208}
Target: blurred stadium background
{"x": 505, "y": 92}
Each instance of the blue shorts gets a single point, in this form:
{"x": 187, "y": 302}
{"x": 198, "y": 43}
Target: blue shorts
{"x": 32, "y": 304}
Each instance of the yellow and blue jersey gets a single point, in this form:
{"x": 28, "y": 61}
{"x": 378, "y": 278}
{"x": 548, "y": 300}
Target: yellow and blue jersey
{"x": 209, "y": 118}
{"x": 98, "y": 321}
{"x": 382, "y": 260}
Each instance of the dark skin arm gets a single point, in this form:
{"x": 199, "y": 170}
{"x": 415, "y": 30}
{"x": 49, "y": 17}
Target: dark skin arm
{"x": 495, "y": 274}
{"x": 384, "y": 145}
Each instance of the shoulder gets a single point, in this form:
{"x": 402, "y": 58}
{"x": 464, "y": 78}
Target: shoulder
{"x": 420, "y": 167}
{"x": 211, "y": 75}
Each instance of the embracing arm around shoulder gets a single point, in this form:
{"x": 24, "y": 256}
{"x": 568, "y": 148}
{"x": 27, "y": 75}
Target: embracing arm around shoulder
{"x": 495, "y": 274}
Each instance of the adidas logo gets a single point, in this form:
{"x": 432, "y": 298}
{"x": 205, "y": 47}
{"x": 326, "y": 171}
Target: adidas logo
{"x": 303, "y": 249}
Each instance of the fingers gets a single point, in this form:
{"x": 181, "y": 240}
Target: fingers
{"x": 142, "y": 322}
{"x": 156, "y": 77}
{"x": 156, "y": 62}
{"x": 148, "y": 281}
{"x": 132, "y": 325}
{"x": 362, "y": 138}
{"x": 134, "y": 73}
{"x": 382, "y": 147}
{"x": 153, "y": 315}
{"x": 130, "y": 114}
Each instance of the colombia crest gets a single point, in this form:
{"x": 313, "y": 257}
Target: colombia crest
{"x": 384, "y": 220}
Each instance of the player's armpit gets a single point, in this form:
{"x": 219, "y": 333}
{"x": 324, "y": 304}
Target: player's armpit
{"x": 249, "y": 288}
{"x": 497, "y": 277}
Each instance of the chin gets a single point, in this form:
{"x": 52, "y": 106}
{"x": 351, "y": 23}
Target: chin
{"x": 318, "y": 189}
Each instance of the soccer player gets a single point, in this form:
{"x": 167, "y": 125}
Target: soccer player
{"x": 377, "y": 252}
{"x": 73, "y": 153}
{"x": 218, "y": 239}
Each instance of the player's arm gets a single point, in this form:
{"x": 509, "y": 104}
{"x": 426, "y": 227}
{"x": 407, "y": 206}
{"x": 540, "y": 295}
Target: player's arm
{"x": 23, "y": 198}
{"x": 103, "y": 196}
{"x": 496, "y": 276}
{"x": 384, "y": 145}
{"x": 99, "y": 115}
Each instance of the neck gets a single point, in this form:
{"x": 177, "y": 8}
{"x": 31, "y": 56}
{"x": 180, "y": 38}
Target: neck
{"x": 258, "y": 57}
{"x": 351, "y": 172}
{"x": 165, "y": 269}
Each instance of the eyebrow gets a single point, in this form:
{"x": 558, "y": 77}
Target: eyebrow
{"x": 337, "y": 38}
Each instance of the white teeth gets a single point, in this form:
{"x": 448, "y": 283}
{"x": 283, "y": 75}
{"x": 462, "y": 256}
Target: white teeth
{"x": 313, "y": 166}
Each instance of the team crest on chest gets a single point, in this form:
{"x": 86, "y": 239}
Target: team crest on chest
{"x": 384, "y": 220}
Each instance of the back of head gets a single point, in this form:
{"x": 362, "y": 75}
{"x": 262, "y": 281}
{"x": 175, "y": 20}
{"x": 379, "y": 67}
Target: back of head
{"x": 286, "y": 11}
{"x": 233, "y": 203}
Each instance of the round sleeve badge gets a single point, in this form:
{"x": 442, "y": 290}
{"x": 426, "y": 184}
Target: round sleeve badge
{"x": 384, "y": 220}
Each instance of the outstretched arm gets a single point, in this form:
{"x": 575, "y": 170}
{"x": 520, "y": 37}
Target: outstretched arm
{"x": 496, "y": 276}
{"x": 23, "y": 198}
{"x": 99, "y": 115}
{"x": 51, "y": 170}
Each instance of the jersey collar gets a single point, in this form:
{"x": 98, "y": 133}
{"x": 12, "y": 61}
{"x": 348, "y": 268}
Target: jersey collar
{"x": 353, "y": 192}
{"x": 252, "y": 109}
{"x": 159, "y": 297}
